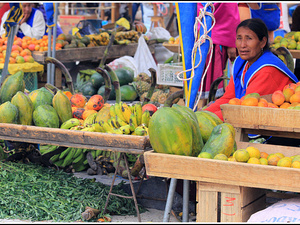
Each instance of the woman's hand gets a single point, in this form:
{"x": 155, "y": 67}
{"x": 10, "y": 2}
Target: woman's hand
{"x": 25, "y": 18}
{"x": 231, "y": 53}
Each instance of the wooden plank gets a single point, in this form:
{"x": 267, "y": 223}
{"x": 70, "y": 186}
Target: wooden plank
{"x": 253, "y": 117}
{"x": 286, "y": 134}
{"x": 72, "y": 137}
{"x": 90, "y": 53}
{"x": 252, "y": 208}
{"x": 222, "y": 172}
{"x": 207, "y": 205}
{"x": 230, "y": 207}
{"x": 295, "y": 53}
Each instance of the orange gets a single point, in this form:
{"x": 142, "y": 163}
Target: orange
{"x": 37, "y": 47}
{"x": 206, "y": 155}
{"x": 285, "y": 162}
{"x": 262, "y": 104}
{"x": 280, "y": 155}
{"x": 295, "y": 97}
{"x": 231, "y": 158}
{"x": 288, "y": 92}
{"x": 273, "y": 159}
{"x": 253, "y": 152}
{"x": 234, "y": 101}
{"x": 264, "y": 155}
{"x": 221, "y": 157}
{"x": 263, "y": 100}
{"x": 272, "y": 105}
{"x": 290, "y": 85}
{"x": 31, "y": 47}
{"x": 12, "y": 60}
{"x": 285, "y": 105}
{"x": 241, "y": 155}
{"x": 296, "y": 164}
{"x": 251, "y": 101}
{"x": 253, "y": 160}
{"x": 263, "y": 161}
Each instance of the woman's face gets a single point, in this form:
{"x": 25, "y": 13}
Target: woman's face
{"x": 248, "y": 45}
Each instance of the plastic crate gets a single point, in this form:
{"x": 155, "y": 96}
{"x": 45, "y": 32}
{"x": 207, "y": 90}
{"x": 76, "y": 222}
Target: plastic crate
{"x": 31, "y": 80}
{"x": 167, "y": 74}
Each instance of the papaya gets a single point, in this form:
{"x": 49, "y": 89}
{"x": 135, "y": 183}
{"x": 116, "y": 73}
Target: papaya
{"x": 8, "y": 113}
{"x": 62, "y": 105}
{"x": 125, "y": 75}
{"x": 193, "y": 121}
{"x": 11, "y": 85}
{"x": 206, "y": 124}
{"x": 45, "y": 116}
{"x": 24, "y": 106}
{"x": 41, "y": 96}
{"x": 214, "y": 116}
{"x": 170, "y": 132}
{"x": 221, "y": 141}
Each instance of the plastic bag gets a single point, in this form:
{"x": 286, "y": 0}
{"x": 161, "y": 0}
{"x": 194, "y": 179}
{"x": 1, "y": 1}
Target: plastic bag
{"x": 144, "y": 58}
{"x": 85, "y": 28}
{"x": 127, "y": 61}
{"x": 158, "y": 33}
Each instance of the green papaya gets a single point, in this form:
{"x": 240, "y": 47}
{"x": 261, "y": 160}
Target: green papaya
{"x": 206, "y": 124}
{"x": 45, "y": 116}
{"x": 8, "y": 113}
{"x": 25, "y": 108}
{"x": 11, "y": 85}
{"x": 220, "y": 141}
{"x": 62, "y": 105}
{"x": 41, "y": 96}
{"x": 170, "y": 132}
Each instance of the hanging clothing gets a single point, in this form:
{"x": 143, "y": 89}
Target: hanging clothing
{"x": 223, "y": 35}
{"x": 264, "y": 76}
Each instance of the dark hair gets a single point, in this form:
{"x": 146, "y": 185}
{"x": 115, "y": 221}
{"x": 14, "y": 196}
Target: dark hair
{"x": 258, "y": 27}
{"x": 296, "y": 19}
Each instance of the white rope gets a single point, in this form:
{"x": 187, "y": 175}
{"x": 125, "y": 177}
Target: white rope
{"x": 198, "y": 42}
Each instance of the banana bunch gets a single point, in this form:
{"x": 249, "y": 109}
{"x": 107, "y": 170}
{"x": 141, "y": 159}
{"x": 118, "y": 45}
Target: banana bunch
{"x": 126, "y": 37}
{"x": 85, "y": 75}
{"x": 126, "y": 119}
{"x": 99, "y": 39}
{"x": 76, "y": 124}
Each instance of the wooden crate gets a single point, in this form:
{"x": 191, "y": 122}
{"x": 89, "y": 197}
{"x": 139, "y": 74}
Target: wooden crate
{"x": 227, "y": 203}
{"x": 90, "y": 53}
{"x": 261, "y": 118}
{"x": 295, "y": 53}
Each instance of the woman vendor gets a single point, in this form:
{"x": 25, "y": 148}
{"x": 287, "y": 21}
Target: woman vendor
{"x": 256, "y": 69}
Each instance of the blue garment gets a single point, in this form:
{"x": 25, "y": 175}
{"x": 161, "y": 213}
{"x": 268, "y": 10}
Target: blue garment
{"x": 29, "y": 22}
{"x": 267, "y": 59}
{"x": 270, "y": 17}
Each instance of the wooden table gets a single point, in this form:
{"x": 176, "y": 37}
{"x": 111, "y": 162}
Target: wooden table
{"x": 295, "y": 53}
{"x": 241, "y": 185}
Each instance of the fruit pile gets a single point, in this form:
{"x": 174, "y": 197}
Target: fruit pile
{"x": 290, "y": 40}
{"x": 288, "y": 98}
{"x": 21, "y": 51}
{"x": 181, "y": 131}
{"x": 173, "y": 40}
{"x": 253, "y": 155}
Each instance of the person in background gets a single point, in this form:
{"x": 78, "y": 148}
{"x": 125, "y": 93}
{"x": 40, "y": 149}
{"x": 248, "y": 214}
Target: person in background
{"x": 42, "y": 9}
{"x": 223, "y": 37}
{"x": 256, "y": 69}
{"x": 269, "y": 13}
{"x": 135, "y": 7}
{"x": 3, "y": 8}
{"x": 32, "y": 24}
{"x": 296, "y": 27}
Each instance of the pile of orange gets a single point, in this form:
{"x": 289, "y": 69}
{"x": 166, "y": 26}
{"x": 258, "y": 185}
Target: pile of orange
{"x": 23, "y": 47}
{"x": 288, "y": 98}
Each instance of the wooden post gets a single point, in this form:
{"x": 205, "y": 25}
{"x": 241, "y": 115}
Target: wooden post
{"x": 102, "y": 13}
{"x": 113, "y": 12}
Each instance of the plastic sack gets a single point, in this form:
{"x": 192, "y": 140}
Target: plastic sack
{"x": 158, "y": 33}
{"x": 284, "y": 211}
{"x": 86, "y": 27}
{"x": 124, "y": 61}
{"x": 144, "y": 58}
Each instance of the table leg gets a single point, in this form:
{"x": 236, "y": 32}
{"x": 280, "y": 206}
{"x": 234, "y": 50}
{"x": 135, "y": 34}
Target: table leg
{"x": 185, "y": 205}
{"x": 170, "y": 199}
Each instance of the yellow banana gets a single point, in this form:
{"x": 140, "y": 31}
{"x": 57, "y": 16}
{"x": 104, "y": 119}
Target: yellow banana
{"x": 98, "y": 127}
{"x": 113, "y": 122}
{"x": 106, "y": 126}
{"x": 70, "y": 123}
{"x": 119, "y": 111}
{"x": 90, "y": 119}
{"x": 89, "y": 128}
{"x": 115, "y": 131}
{"x": 120, "y": 121}
{"x": 126, "y": 111}
{"x": 133, "y": 120}
{"x": 125, "y": 129}
{"x": 138, "y": 113}
{"x": 112, "y": 111}
{"x": 146, "y": 118}
{"x": 140, "y": 131}
{"x": 78, "y": 127}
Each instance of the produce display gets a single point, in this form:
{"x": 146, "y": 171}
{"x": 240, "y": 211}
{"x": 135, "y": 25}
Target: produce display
{"x": 290, "y": 40}
{"x": 288, "y": 98}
